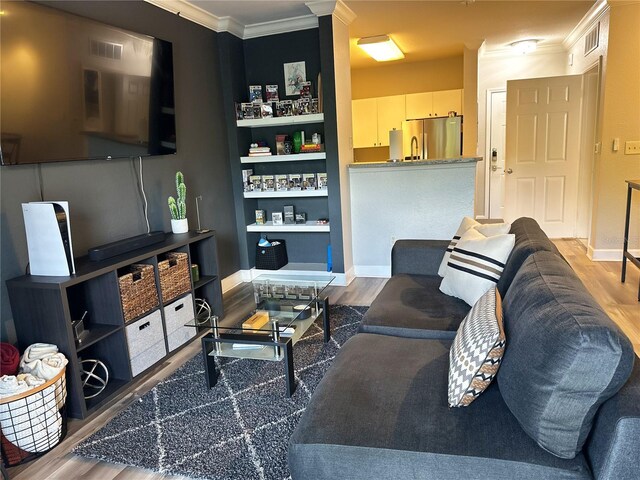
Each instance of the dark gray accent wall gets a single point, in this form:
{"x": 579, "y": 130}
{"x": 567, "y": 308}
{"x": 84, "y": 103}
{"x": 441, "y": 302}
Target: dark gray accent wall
{"x": 104, "y": 199}
{"x": 263, "y": 64}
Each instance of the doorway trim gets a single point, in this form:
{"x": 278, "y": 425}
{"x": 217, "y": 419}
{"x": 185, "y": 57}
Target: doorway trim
{"x": 487, "y": 153}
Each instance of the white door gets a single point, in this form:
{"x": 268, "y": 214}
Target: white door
{"x": 498, "y": 112}
{"x": 543, "y": 152}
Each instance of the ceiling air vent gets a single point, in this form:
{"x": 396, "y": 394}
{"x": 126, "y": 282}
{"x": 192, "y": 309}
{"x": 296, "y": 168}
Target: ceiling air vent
{"x": 106, "y": 49}
{"x": 591, "y": 39}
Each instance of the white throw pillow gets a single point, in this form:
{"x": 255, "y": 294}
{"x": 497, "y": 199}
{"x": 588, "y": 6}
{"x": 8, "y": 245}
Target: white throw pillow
{"x": 475, "y": 265}
{"x": 487, "y": 229}
{"x": 477, "y": 350}
{"x": 466, "y": 224}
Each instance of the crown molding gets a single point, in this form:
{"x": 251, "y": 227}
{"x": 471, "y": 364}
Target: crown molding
{"x": 594, "y": 14}
{"x": 190, "y": 12}
{"x": 336, "y": 8}
{"x": 292, "y": 24}
{"x": 231, "y": 25}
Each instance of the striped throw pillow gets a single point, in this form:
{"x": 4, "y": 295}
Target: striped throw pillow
{"x": 487, "y": 229}
{"x": 475, "y": 265}
{"x": 477, "y": 350}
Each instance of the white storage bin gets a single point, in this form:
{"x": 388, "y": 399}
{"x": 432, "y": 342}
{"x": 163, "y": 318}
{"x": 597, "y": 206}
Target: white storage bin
{"x": 145, "y": 339}
{"x": 175, "y": 316}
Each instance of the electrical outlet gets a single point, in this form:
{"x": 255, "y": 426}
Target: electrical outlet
{"x": 632, "y": 147}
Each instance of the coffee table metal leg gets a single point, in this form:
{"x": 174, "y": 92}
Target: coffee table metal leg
{"x": 209, "y": 362}
{"x": 326, "y": 323}
{"x": 288, "y": 368}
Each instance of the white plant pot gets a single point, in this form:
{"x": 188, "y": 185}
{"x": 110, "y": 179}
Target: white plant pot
{"x": 180, "y": 226}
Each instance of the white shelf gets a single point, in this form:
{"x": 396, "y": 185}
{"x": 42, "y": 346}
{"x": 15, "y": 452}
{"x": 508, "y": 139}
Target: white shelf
{"x": 275, "y": 121}
{"x": 310, "y": 226}
{"x": 296, "y": 157}
{"x": 287, "y": 193}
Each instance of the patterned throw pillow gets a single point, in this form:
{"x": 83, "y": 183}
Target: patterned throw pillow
{"x": 476, "y": 264}
{"x": 477, "y": 350}
{"x": 487, "y": 229}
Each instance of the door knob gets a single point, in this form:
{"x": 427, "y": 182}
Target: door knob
{"x": 509, "y": 171}
{"x": 494, "y": 168}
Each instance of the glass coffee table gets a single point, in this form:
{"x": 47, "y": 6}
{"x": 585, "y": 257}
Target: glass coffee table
{"x": 283, "y": 307}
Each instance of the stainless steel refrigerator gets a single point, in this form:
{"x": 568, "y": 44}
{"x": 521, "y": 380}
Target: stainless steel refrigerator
{"x": 432, "y": 138}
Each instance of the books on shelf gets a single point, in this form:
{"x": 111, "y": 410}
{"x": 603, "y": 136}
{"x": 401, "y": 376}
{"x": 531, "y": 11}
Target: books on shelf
{"x": 310, "y": 147}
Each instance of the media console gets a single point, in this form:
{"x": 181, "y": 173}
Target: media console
{"x": 45, "y": 307}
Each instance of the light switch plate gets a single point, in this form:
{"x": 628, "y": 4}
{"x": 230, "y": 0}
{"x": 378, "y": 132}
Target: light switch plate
{"x": 632, "y": 147}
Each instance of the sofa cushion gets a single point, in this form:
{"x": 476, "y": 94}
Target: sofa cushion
{"x": 381, "y": 412}
{"x": 476, "y": 264}
{"x": 412, "y": 306}
{"x": 477, "y": 350}
{"x": 487, "y": 229}
{"x": 564, "y": 358}
{"x": 529, "y": 239}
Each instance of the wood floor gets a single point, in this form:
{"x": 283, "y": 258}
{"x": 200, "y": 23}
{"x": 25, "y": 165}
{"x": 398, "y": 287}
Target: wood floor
{"x": 601, "y": 278}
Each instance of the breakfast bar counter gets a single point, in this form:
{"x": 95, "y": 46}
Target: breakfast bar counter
{"x": 402, "y": 200}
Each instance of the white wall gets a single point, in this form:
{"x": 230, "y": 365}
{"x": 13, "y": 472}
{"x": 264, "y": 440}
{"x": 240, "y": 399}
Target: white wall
{"x": 493, "y": 73}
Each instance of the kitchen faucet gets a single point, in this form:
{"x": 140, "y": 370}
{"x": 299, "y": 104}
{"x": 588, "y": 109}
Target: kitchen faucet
{"x": 414, "y": 138}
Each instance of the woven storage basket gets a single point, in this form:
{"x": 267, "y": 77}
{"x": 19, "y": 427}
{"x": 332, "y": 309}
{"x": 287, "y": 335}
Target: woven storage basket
{"x": 175, "y": 276}
{"x": 33, "y": 422}
{"x": 273, "y": 257}
{"x": 138, "y": 291}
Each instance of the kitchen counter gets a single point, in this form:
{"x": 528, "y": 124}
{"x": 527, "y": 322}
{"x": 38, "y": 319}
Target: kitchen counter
{"x": 424, "y": 199}
{"x": 414, "y": 163}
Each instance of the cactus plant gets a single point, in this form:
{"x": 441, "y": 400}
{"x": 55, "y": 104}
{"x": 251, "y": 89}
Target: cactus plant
{"x": 178, "y": 208}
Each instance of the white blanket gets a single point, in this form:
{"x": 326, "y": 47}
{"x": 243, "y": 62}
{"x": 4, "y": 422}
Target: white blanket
{"x": 37, "y": 351}
{"x": 10, "y": 386}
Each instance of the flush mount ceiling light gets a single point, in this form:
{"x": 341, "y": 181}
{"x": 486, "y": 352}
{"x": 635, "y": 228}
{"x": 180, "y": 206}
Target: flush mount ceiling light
{"x": 524, "y": 46}
{"x": 381, "y": 48}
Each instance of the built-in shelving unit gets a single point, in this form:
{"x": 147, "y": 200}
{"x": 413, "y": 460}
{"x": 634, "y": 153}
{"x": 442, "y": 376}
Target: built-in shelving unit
{"x": 44, "y": 307}
{"x": 277, "y": 121}
{"x": 310, "y": 226}
{"x": 296, "y": 157}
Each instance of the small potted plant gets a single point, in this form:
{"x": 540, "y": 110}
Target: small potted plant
{"x": 178, "y": 208}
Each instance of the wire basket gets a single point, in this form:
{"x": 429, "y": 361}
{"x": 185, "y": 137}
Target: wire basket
{"x": 33, "y": 422}
{"x": 175, "y": 276}
{"x": 138, "y": 292}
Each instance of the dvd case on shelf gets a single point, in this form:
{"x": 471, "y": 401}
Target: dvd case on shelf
{"x": 261, "y": 217}
{"x": 289, "y": 217}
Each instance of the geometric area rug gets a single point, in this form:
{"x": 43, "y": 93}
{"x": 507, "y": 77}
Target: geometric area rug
{"x": 239, "y": 429}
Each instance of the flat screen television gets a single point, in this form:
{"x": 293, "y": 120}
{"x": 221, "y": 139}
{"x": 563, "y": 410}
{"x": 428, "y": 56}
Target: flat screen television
{"x": 72, "y": 88}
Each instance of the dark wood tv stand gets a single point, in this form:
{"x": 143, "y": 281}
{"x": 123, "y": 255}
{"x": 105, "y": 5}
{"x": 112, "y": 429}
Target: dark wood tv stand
{"x": 44, "y": 307}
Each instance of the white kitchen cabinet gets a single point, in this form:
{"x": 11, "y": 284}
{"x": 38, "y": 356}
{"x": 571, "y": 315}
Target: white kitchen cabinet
{"x": 433, "y": 104}
{"x": 373, "y": 118}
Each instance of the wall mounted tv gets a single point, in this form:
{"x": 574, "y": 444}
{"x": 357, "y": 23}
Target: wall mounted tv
{"x": 72, "y": 88}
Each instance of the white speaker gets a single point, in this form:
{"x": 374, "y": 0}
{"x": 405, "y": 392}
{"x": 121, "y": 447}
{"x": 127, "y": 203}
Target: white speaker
{"x": 48, "y": 238}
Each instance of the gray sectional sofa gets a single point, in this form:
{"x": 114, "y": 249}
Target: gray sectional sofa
{"x": 567, "y": 383}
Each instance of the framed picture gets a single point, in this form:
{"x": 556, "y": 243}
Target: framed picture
{"x": 276, "y": 218}
{"x": 294, "y": 75}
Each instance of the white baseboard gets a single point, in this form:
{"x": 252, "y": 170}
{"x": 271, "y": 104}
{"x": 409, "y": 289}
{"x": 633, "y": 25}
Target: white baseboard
{"x": 608, "y": 254}
{"x": 377, "y": 271}
{"x": 232, "y": 281}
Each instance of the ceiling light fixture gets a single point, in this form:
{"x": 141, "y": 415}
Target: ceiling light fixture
{"x": 525, "y": 46}
{"x": 381, "y": 48}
